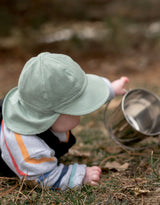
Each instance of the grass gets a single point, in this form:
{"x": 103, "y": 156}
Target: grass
{"x": 138, "y": 184}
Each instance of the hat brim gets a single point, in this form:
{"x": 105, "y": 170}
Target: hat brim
{"x": 19, "y": 119}
{"x": 94, "y": 96}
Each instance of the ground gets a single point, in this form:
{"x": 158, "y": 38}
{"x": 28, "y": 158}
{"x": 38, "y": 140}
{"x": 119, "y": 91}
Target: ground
{"x": 127, "y": 177}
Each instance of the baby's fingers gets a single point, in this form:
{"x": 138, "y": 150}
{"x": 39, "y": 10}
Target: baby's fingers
{"x": 94, "y": 183}
{"x": 95, "y": 177}
{"x": 125, "y": 79}
{"x": 95, "y": 168}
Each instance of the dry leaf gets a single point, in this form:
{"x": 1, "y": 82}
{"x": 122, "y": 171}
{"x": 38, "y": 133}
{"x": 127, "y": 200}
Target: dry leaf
{"x": 78, "y": 153}
{"x": 116, "y": 165}
{"x": 139, "y": 180}
{"x": 158, "y": 190}
{"x": 113, "y": 149}
{"x": 138, "y": 191}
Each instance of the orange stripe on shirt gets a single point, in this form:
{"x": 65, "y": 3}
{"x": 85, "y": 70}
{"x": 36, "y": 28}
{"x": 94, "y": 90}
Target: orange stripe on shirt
{"x": 67, "y": 137}
{"x": 26, "y": 154}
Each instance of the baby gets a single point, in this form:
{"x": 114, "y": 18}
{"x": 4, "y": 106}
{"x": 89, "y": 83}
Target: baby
{"x": 39, "y": 114}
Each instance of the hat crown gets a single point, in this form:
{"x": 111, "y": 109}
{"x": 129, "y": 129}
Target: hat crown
{"x": 50, "y": 81}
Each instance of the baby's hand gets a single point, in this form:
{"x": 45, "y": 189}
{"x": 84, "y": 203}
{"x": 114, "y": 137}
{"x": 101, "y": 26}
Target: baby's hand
{"x": 119, "y": 85}
{"x": 92, "y": 175}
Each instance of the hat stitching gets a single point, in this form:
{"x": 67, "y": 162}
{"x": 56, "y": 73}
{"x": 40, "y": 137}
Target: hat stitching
{"x": 74, "y": 97}
{"x": 42, "y": 76}
{"x": 67, "y": 64}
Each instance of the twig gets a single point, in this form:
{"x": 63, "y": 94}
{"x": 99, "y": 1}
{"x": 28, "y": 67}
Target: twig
{"x": 8, "y": 178}
{"x": 9, "y": 190}
{"x": 20, "y": 189}
{"x": 105, "y": 159}
{"x": 142, "y": 200}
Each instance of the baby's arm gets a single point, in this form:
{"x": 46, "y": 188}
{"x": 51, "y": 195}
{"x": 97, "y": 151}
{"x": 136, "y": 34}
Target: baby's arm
{"x": 116, "y": 87}
{"x": 119, "y": 85}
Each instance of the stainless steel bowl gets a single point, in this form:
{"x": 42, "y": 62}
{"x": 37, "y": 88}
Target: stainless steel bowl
{"x": 137, "y": 117}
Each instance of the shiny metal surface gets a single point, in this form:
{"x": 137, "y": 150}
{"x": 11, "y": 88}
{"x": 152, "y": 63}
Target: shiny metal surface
{"x": 142, "y": 111}
{"x": 137, "y": 117}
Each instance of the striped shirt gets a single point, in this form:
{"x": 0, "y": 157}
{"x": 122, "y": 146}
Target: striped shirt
{"x": 31, "y": 157}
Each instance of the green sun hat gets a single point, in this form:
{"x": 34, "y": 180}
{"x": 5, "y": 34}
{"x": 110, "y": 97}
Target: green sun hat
{"x": 50, "y": 85}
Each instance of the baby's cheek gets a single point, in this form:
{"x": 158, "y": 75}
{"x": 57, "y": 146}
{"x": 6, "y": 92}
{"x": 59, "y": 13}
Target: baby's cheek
{"x": 65, "y": 123}
{"x": 74, "y": 122}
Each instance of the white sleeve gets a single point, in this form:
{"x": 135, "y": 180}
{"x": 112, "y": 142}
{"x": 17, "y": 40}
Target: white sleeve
{"x": 112, "y": 94}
